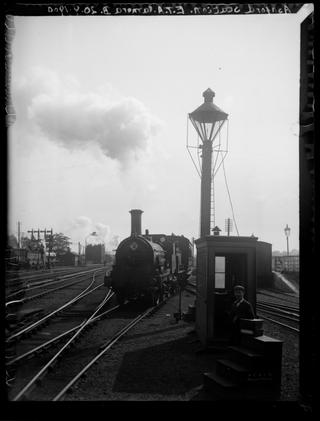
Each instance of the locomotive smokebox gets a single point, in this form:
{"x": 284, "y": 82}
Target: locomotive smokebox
{"x": 136, "y": 221}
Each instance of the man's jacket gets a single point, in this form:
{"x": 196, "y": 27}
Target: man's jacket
{"x": 242, "y": 310}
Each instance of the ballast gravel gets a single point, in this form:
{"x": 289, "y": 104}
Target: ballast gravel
{"x": 158, "y": 360}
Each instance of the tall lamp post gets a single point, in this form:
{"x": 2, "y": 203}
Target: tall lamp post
{"x": 85, "y": 245}
{"x": 287, "y": 233}
{"x": 208, "y": 120}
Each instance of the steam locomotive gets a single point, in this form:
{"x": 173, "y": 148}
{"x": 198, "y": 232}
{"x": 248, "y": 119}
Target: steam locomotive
{"x": 148, "y": 267}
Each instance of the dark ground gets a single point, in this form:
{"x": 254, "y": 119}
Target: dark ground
{"x": 158, "y": 361}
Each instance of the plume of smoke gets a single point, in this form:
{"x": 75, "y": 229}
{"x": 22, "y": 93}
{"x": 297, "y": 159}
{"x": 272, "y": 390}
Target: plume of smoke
{"x": 122, "y": 128}
{"x": 82, "y": 226}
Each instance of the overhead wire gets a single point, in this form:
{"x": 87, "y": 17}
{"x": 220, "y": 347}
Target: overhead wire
{"x": 225, "y": 177}
{"x": 187, "y": 144}
{"x": 232, "y": 210}
{"x": 198, "y": 154}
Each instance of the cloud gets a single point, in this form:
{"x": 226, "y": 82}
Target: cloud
{"x": 82, "y": 226}
{"x": 81, "y": 222}
{"x": 102, "y": 230}
{"x": 121, "y": 126}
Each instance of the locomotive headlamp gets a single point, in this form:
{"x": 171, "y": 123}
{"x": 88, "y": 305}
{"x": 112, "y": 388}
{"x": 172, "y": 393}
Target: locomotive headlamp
{"x": 208, "y": 118}
{"x": 134, "y": 246}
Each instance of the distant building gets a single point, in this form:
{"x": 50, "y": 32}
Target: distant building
{"x": 68, "y": 258}
{"x": 286, "y": 263}
{"x": 51, "y": 258}
{"x": 95, "y": 253}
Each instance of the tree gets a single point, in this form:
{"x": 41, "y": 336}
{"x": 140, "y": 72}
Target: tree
{"x": 59, "y": 243}
{"x": 28, "y": 243}
{"x": 12, "y": 241}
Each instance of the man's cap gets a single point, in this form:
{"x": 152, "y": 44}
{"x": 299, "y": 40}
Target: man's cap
{"x": 238, "y": 287}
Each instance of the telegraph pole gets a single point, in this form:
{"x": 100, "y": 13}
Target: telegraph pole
{"x": 38, "y": 231}
{"x": 31, "y": 234}
{"x": 38, "y": 247}
{"x": 48, "y": 233}
{"x": 19, "y": 234}
{"x": 44, "y": 257}
{"x": 228, "y": 226}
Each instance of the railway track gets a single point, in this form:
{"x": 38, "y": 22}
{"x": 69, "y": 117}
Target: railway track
{"x": 279, "y": 308}
{"x": 103, "y": 349}
{"x": 284, "y": 313}
{"x": 26, "y": 339}
{"x": 34, "y": 326}
{"x": 26, "y": 330}
{"x": 54, "y": 341}
{"x": 76, "y": 333}
{"x": 34, "y": 276}
{"x": 286, "y": 308}
{"x": 57, "y": 384}
{"x": 279, "y": 295}
{"x": 49, "y": 282}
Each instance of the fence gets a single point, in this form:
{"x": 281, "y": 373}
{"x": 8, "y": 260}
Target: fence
{"x": 285, "y": 263}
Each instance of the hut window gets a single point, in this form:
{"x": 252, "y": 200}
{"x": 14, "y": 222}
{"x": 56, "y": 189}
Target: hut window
{"x": 220, "y": 272}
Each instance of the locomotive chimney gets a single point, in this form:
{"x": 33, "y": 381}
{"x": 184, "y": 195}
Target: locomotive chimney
{"x": 136, "y": 221}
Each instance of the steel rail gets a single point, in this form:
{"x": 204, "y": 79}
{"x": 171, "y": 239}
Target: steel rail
{"x": 50, "y": 282}
{"x": 277, "y": 310}
{"x": 52, "y": 341}
{"x": 37, "y": 378}
{"x": 280, "y": 296}
{"x": 44, "y": 273}
{"x": 104, "y": 348}
{"x": 282, "y": 324}
{"x": 45, "y": 319}
{"x": 55, "y": 312}
{"x": 34, "y": 279}
{"x": 64, "y": 277}
{"x": 49, "y": 291}
{"x": 279, "y": 314}
{"x": 280, "y": 306}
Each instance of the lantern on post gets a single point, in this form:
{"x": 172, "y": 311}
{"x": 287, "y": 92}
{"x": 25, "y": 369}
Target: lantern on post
{"x": 208, "y": 120}
{"x": 287, "y": 233}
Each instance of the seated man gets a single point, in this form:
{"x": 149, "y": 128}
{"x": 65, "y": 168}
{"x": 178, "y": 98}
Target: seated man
{"x": 241, "y": 309}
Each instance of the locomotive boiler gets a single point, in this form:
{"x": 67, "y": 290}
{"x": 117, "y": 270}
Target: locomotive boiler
{"x": 146, "y": 266}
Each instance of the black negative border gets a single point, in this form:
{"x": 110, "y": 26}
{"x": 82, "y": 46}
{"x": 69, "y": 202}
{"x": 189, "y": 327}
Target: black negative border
{"x": 36, "y": 410}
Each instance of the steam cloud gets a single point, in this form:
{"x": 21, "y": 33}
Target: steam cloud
{"x": 121, "y": 128}
{"x": 82, "y": 226}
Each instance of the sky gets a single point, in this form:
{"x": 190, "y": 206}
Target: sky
{"x": 101, "y": 126}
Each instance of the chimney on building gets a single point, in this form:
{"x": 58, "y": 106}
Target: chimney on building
{"x": 136, "y": 221}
